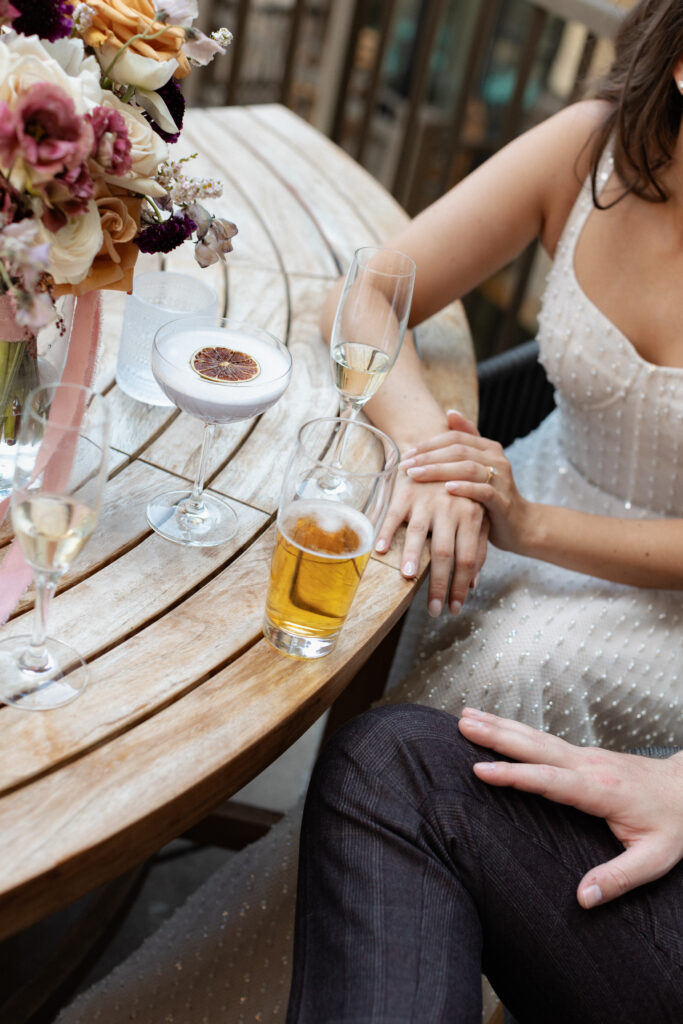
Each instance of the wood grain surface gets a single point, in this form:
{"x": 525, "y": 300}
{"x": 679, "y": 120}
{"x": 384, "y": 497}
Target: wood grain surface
{"x": 186, "y": 701}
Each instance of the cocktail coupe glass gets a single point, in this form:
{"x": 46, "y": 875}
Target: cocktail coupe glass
{"x": 370, "y": 323}
{"x": 218, "y": 371}
{"x": 59, "y": 473}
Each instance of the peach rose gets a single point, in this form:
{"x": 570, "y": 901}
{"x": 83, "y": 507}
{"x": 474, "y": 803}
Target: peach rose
{"x": 115, "y": 22}
{"x": 114, "y": 264}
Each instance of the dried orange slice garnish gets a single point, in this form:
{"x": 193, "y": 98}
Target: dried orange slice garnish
{"x": 224, "y": 365}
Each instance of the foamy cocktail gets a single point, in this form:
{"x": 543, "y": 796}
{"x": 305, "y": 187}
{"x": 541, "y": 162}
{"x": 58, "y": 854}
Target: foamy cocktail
{"x": 219, "y": 375}
{"x": 217, "y": 372}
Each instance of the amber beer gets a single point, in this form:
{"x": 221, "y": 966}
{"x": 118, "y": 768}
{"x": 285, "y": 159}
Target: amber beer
{"x": 321, "y": 550}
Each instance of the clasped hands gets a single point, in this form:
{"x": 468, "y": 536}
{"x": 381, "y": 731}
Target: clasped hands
{"x": 460, "y": 487}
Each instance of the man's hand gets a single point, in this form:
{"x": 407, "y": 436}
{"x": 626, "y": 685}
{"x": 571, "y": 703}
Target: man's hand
{"x": 640, "y": 798}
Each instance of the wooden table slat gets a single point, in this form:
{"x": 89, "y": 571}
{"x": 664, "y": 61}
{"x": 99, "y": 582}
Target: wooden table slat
{"x": 186, "y": 700}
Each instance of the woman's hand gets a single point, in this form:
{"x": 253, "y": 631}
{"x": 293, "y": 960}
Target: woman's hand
{"x": 475, "y": 468}
{"x": 640, "y": 798}
{"x": 459, "y": 532}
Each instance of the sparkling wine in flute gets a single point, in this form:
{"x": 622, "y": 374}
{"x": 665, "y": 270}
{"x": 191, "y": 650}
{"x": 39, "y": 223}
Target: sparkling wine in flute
{"x": 370, "y": 323}
{"x": 59, "y": 475}
{"x": 320, "y": 553}
{"x": 359, "y": 369}
{"x": 51, "y": 529}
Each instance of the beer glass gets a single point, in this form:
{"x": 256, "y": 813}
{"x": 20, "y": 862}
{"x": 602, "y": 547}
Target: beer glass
{"x": 325, "y": 534}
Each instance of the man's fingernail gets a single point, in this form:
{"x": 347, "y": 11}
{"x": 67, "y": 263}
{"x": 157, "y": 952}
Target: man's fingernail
{"x": 456, "y": 607}
{"x": 381, "y": 545}
{"x": 408, "y": 569}
{"x": 435, "y": 607}
{"x": 592, "y": 896}
{"x": 415, "y": 471}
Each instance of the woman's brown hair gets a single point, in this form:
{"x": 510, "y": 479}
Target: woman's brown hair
{"x": 646, "y": 105}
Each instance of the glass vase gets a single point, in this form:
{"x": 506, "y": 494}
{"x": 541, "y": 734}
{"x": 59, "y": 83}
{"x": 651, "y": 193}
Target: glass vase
{"x": 26, "y": 360}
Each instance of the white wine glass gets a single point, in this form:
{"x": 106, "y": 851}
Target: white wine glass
{"x": 218, "y": 371}
{"x": 59, "y": 473}
{"x": 370, "y": 323}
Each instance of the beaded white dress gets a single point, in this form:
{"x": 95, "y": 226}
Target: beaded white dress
{"x": 593, "y": 661}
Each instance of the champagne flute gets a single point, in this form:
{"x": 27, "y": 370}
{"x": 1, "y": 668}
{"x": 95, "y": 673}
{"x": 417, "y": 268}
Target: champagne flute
{"x": 370, "y": 323}
{"x": 219, "y": 372}
{"x": 59, "y": 473}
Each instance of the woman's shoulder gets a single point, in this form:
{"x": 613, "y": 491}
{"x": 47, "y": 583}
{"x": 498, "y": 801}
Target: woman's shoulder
{"x": 566, "y": 142}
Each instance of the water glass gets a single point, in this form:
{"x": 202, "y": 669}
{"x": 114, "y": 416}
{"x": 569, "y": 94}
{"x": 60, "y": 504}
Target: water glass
{"x": 157, "y": 297}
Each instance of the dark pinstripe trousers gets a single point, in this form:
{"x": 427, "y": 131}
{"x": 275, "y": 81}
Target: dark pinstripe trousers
{"x": 415, "y": 877}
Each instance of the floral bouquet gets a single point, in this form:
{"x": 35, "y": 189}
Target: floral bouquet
{"x": 89, "y": 102}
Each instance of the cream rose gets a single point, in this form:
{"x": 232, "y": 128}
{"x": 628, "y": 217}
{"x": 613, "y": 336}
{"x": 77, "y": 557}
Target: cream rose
{"x": 132, "y": 69}
{"x": 25, "y": 60}
{"x": 147, "y": 151}
{"x": 74, "y": 247}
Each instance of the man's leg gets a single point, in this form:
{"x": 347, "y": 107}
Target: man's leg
{"x": 415, "y": 877}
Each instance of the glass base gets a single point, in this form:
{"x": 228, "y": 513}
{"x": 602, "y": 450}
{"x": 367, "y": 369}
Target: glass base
{"x": 40, "y": 689}
{"x": 142, "y": 387}
{"x": 171, "y": 516}
{"x": 297, "y": 646}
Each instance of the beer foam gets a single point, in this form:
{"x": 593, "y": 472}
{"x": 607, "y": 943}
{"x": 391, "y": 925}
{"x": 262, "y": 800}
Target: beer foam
{"x": 329, "y": 517}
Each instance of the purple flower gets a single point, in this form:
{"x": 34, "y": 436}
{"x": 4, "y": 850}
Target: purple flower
{"x": 49, "y": 19}
{"x": 175, "y": 101}
{"x": 214, "y": 241}
{"x": 112, "y": 145}
{"x": 165, "y": 236}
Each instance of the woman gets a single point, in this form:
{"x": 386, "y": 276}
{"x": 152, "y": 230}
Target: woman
{"x": 576, "y": 623}
{"x": 594, "y": 659}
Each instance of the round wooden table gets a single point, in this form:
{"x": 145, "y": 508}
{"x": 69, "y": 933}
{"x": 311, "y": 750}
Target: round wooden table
{"x": 186, "y": 701}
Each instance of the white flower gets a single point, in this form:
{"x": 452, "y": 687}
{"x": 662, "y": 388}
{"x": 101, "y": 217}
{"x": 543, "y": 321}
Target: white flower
{"x": 25, "y": 60}
{"x": 74, "y": 247}
{"x": 200, "y": 49}
{"x": 131, "y": 68}
{"x": 177, "y": 12}
{"x": 147, "y": 150}
{"x": 83, "y": 16}
{"x": 157, "y": 109}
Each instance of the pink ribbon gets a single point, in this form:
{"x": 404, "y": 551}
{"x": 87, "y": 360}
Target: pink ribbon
{"x": 15, "y": 574}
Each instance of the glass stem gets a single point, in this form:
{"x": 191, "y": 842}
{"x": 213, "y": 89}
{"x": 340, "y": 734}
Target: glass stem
{"x": 195, "y": 504}
{"x": 35, "y": 657}
{"x": 348, "y": 411}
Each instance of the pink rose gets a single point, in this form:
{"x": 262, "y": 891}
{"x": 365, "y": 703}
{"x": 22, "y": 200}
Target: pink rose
{"x": 48, "y": 134}
{"x": 112, "y": 151}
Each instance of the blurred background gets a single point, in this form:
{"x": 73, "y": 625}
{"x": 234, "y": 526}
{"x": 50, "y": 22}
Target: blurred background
{"x": 419, "y": 92}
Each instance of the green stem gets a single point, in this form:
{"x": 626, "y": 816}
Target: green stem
{"x": 157, "y": 211}
{"x": 140, "y": 35}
